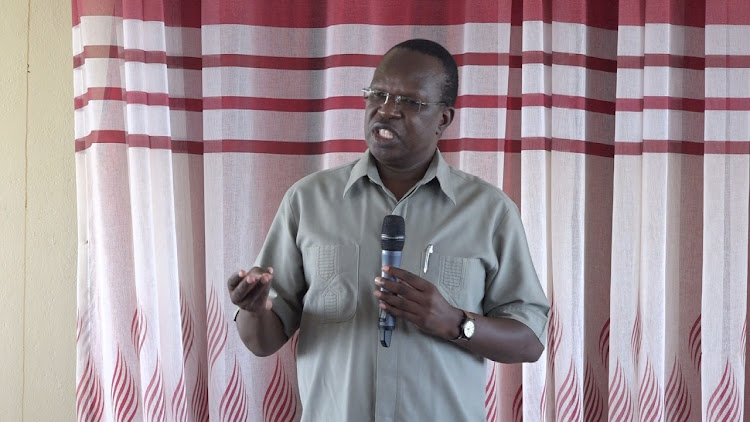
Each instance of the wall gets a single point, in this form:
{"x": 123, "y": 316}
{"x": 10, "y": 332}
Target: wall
{"x": 37, "y": 213}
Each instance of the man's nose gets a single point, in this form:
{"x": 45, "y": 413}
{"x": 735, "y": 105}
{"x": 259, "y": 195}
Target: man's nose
{"x": 389, "y": 108}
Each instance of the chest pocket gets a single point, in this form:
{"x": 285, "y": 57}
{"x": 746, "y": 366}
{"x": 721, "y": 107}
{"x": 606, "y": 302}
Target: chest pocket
{"x": 460, "y": 280}
{"x": 331, "y": 273}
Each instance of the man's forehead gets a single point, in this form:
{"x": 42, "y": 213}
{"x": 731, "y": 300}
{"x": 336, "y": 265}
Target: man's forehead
{"x": 406, "y": 62}
{"x": 405, "y": 54}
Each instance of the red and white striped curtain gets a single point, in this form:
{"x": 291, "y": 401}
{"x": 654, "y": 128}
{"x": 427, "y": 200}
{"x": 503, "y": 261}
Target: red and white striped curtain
{"x": 622, "y": 130}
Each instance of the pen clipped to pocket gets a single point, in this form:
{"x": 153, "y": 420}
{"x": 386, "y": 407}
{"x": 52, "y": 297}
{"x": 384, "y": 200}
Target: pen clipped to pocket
{"x": 427, "y": 253}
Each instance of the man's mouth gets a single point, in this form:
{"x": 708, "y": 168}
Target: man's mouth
{"x": 385, "y": 134}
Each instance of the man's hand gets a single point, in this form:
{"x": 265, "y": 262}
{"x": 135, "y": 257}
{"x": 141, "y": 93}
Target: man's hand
{"x": 249, "y": 291}
{"x": 419, "y": 302}
{"x": 259, "y": 329}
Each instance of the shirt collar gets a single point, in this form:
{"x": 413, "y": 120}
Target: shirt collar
{"x": 438, "y": 169}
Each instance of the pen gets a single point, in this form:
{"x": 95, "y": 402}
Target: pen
{"x": 427, "y": 252}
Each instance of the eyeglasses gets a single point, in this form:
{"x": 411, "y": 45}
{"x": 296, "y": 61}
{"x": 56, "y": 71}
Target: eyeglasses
{"x": 377, "y": 98}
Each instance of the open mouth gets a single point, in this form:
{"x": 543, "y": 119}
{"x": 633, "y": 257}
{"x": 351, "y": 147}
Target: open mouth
{"x": 384, "y": 134}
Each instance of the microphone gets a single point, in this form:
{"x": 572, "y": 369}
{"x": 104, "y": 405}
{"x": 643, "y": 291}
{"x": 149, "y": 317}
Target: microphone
{"x": 392, "y": 243}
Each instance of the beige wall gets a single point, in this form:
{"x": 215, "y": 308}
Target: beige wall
{"x": 37, "y": 212}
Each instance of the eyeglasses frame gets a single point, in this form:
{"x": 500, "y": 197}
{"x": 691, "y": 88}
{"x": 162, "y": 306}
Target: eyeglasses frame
{"x": 399, "y": 99}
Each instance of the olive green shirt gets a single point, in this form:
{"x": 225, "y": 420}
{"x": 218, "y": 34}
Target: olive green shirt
{"x": 324, "y": 245}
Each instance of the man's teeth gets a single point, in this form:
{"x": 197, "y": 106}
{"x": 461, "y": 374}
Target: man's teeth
{"x": 385, "y": 133}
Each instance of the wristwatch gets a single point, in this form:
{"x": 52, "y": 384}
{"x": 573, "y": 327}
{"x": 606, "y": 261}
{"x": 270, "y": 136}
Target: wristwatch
{"x": 465, "y": 328}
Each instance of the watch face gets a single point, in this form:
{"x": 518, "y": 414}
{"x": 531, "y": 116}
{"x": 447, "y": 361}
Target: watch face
{"x": 469, "y": 329}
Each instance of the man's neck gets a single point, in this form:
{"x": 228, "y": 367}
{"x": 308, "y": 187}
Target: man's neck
{"x": 400, "y": 182}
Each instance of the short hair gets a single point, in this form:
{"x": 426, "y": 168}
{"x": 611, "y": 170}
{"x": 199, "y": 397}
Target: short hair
{"x": 450, "y": 69}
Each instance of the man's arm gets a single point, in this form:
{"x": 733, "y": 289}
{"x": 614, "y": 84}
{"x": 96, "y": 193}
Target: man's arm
{"x": 262, "y": 334}
{"x": 259, "y": 327}
{"x": 501, "y": 339}
{"x": 418, "y": 301}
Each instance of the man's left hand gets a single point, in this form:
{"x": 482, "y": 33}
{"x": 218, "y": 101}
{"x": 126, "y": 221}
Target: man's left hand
{"x": 419, "y": 302}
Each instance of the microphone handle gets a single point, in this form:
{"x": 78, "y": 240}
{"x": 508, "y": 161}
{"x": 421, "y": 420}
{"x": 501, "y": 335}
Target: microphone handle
{"x": 386, "y": 321}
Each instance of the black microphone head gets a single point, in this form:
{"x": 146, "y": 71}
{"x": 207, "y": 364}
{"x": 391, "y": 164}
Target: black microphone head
{"x": 392, "y": 235}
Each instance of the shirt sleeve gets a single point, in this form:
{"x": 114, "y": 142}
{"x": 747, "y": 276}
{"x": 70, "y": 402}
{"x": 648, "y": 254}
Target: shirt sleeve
{"x": 513, "y": 290}
{"x": 280, "y": 251}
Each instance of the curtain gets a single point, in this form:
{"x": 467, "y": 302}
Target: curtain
{"x": 621, "y": 129}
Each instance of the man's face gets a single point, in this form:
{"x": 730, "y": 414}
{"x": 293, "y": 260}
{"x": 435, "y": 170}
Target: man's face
{"x": 400, "y": 139}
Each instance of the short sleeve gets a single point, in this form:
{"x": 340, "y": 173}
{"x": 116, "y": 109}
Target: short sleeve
{"x": 280, "y": 251}
{"x": 513, "y": 290}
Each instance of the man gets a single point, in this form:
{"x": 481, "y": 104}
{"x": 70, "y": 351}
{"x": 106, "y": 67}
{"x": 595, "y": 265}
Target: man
{"x": 465, "y": 265}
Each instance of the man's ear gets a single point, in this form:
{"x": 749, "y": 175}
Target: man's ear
{"x": 446, "y": 118}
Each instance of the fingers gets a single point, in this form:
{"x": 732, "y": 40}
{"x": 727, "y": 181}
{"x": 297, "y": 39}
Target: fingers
{"x": 256, "y": 274}
{"x": 398, "y": 301}
{"x": 400, "y": 312}
{"x": 249, "y": 290}
{"x": 410, "y": 286}
{"x": 260, "y": 273}
{"x": 411, "y": 279}
{"x": 413, "y": 299}
{"x": 235, "y": 279}
{"x": 399, "y": 295}
{"x": 394, "y": 287}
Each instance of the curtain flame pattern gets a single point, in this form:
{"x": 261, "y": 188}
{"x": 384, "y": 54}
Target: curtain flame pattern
{"x": 621, "y": 129}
